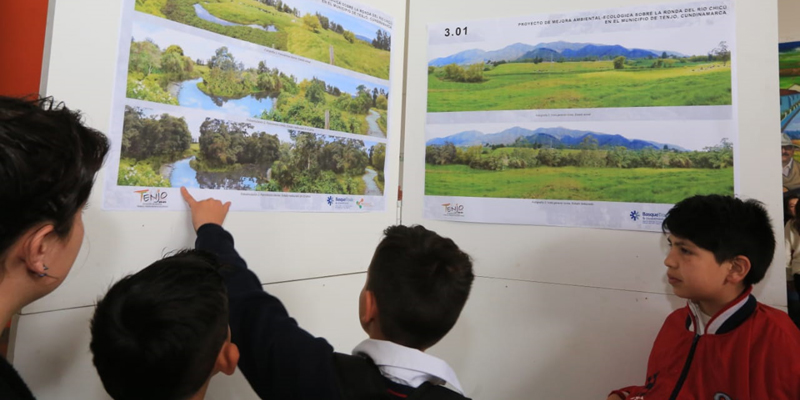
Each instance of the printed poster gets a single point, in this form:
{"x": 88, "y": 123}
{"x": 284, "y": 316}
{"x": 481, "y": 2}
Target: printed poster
{"x": 272, "y": 105}
{"x": 599, "y": 119}
{"x": 789, "y": 61}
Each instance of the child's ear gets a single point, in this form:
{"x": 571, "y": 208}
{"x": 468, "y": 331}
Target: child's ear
{"x": 35, "y": 248}
{"x": 740, "y": 267}
{"x": 370, "y": 307}
{"x": 228, "y": 358}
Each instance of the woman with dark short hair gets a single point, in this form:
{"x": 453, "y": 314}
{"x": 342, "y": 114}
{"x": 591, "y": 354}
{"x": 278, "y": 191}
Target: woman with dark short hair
{"x": 48, "y": 162}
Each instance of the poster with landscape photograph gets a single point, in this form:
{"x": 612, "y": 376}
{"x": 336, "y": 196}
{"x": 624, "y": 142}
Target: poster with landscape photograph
{"x": 598, "y": 119}
{"x": 216, "y": 101}
{"x": 789, "y": 61}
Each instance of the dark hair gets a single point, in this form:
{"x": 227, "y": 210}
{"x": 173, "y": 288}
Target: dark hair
{"x": 48, "y": 161}
{"x": 787, "y": 213}
{"x": 157, "y": 333}
{"x": 727, "y": 227}
{"x": 421, "y": 282}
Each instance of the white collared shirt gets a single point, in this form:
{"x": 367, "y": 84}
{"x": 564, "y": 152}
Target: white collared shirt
{"x": 407, "y": 366}
{"x": 788, "y": 168}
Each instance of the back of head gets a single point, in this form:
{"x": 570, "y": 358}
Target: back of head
{"x": 157, "y": 333}
{"x": 727, "y": 227}
{"x": 421, "y": 282}
{"x": 48, "y": 160}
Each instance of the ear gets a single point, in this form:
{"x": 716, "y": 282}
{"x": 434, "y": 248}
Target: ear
{"x": 740, "y": 267}
{"x": 35, "y": 247}
{"x": 369, "y": 311}
{"x": 228, "y": 358}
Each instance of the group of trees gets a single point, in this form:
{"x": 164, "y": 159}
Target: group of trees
{"x": 456, "y": 73}
{"x": 585, "y": 155}
{"x": 150, "y": 70}
{"x": 231, "y": 79}
{"x": 280, "y": 6}
{"x": 224, "y": 143}
{"x": 317, "y": 22}
{"x": 310, "y": 163}
{"x": 383, "y": 40}
{"x": 156, "y": 136}
{"x": 311, "y": 109}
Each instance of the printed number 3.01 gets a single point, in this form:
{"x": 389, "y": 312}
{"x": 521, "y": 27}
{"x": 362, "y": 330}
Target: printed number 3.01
{"x": 456, "y": 32}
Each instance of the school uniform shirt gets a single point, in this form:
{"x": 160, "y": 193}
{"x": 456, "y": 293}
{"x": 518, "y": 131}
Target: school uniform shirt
{"x": 406, "y": 366}
{"x": 746, "y": 351}
{"x": 279, "y": 359}
{"x": 12, "y": 387}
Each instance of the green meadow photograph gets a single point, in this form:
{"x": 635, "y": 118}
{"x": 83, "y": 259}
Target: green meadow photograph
{"x": 564, "y": 75}
{"x": 559, "y": 163}
{"x": 306, "y": 28}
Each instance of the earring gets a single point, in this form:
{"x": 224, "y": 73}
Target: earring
{"x": 43, "y": 274}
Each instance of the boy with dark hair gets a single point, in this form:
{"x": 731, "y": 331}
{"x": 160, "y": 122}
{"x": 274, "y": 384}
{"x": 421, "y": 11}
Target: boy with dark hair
{"x": 724, "y": 344}
{"x": 162, "y": 333}
{"x": 417, "y": 285}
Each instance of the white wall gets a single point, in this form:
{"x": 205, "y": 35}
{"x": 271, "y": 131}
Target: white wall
{"x": 572, "y": 315}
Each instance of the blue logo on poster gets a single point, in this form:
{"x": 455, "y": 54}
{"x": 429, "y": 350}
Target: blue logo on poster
{"x": 635, "y": 215}
{"x": 330, "y": 200}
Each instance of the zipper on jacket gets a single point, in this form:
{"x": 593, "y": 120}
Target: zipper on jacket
{"x": 685, "y": 371}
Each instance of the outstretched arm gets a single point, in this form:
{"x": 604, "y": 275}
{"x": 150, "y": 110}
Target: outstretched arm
{"x": 279, "y": 359}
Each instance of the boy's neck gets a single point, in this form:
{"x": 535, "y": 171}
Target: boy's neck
{"x": 201, "y": 394}
{"x": 712, "y": 307}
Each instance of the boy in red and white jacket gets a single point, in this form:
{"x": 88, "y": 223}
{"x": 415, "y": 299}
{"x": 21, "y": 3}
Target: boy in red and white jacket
{"x": 724, "y": 345}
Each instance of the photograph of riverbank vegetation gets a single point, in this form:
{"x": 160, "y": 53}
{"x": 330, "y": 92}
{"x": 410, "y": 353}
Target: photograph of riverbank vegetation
{"x": 306, "y": 28}
{"x": 175, "y": 68}
{"x": 166, "y": 150}
{"x": 573, "y": 164}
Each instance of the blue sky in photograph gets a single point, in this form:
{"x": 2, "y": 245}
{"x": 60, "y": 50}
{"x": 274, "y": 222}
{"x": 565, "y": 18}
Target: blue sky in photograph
{"x": 350, "y": 22}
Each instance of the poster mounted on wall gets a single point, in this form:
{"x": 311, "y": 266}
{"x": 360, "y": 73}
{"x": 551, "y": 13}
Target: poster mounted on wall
{"x": 594, "y": 119}
{"x": 273, "y": 105}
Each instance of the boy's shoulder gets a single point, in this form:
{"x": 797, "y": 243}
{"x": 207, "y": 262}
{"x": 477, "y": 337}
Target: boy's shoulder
{"x": 775, "y": 326}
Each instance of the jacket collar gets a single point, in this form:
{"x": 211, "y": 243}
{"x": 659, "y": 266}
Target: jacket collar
{"x": 724, "y": 321}
{"x": 407, "y": 366}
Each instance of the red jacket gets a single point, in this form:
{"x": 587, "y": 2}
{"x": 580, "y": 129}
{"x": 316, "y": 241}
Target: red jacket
{"x": 747, "y": 351}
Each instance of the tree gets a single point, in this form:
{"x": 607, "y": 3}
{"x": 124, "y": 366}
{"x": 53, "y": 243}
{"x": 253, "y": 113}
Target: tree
{"x": 222, "y": 59}
{"x": 312, "y": 22}
{"x": 316, "y": 92}
{"x": 619, "y": 62}
{"x": 454, "y": 73}
{"x": 589, "y": 142}
{"x": 664, "y": 55}
{"x": 145, "y": 57}
{"x": 324, "y": 21}
{"x": 172, "y": 63}
{"x": 382, "y": 102}
{"x": 349, "y": 36}
{"x": 378, "y": 156}
{"x": 474, "y": 73}
{"x": 722, "y": 53}
{"x": 382, "y": 40}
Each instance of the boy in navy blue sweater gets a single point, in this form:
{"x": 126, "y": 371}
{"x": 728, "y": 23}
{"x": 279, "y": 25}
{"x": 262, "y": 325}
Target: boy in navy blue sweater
{"x": 417, "y": 285}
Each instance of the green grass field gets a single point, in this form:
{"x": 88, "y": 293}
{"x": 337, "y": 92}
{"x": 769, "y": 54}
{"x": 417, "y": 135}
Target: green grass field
{"x": 789, "y": 61}
{"x": 640, "y": 185}
{"x": 589, "y": 84}
{"x": 292, "y": 36}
